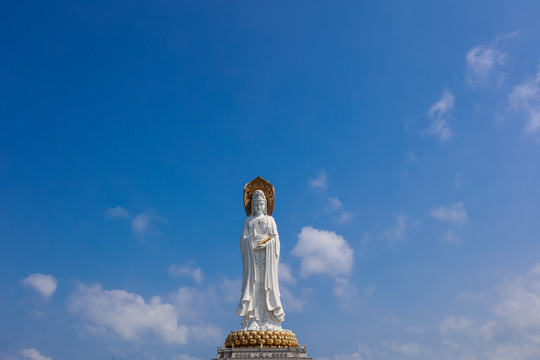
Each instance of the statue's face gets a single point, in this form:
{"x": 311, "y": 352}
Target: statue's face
{"x": 258, "y": 207}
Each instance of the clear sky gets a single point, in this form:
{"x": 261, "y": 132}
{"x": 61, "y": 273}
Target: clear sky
{"x": 402, "y": 137}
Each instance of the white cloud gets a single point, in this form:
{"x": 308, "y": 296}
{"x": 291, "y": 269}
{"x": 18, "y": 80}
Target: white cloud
{"x": 230, "y": 289}
{"x": 337, "y": 207}
{"x": 399, "y": 228}
{"x": 535, "y": 270}
{"x": 44, "y": 284}
{"x": 344, "y": 290}
{"x": 455, "y": 213}
{"x": 290, "y": 301}
{"x": 451, "y": 238}
{"x": 116, "y": 212}
{"x": 520, "y": 304}
{"x": 33, "y": 354}
{"x": 207, "y": 332}
{"x": 353, "y": 356}
{"x": 440, "y": 114}
{"x": 142, "y": 223}
{"x": 411, "y": 349}
{"x": 525, "y": 98}
{"x": 320, "y": 181}
{"x": 335, "y": 204}
{"x": 484, "y": 60}
{"x": 187, "y": 270}
{"x": 455, "y": 324}
{"x": 126, "y": 314}
{"x": 411, "y": 157}
{"x": 285, "y": 274}
{"x": 185, "y": 357}
{"x": 323, "y": 252}
{"x": 415, "y": 329}
{"x": 191, "y": 302}
{"x": 513, "y": 332}
{"x": 481, "y": 61}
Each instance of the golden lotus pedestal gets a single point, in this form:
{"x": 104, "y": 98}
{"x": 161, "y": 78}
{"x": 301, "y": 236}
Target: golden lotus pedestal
{"x": 262, "y": 344}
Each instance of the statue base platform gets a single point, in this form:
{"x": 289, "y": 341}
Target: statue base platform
{"x": 261, "y": 338}
{"x": 290, "y": 353}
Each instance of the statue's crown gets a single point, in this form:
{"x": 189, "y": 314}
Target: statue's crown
{"x": 258, "y": 196}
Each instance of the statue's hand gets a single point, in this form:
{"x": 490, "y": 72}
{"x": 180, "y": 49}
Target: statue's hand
{"x": 260, "y": 246}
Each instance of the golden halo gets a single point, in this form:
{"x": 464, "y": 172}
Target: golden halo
{"x": 259, "y": 184}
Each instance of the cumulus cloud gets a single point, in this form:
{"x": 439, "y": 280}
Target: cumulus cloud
{"x": 323, "y": 252}
{"x": 33, "y": 354}
{"x": 188, "y": 269}
{"x": 126, "y": 314}
{"x": 44, "y": 284}
{"x": 454, "y": 213}
{"x": 525, "y": 98}
{"x": 319, "y": 182}
{"x": 440, "y": 115}
{"x": 116, "y": 212}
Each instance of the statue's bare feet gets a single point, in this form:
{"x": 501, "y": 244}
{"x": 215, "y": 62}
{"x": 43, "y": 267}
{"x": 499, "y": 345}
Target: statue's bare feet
{"x": 253, "y": 326}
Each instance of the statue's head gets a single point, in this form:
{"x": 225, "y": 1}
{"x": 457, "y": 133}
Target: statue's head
{"x": 258, "y": 203}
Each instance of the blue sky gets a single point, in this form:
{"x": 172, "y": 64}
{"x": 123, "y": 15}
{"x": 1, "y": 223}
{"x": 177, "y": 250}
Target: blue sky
{"x": 403, "y": 140}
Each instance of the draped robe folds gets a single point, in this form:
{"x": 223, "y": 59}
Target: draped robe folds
{"x": 249, "y": 308}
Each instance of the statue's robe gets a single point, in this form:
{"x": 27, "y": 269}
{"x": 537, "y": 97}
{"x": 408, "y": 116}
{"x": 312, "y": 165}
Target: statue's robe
{"x": 246, "y": 307}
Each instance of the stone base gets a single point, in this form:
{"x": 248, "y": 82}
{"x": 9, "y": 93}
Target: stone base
{"x": 289, "y": 353}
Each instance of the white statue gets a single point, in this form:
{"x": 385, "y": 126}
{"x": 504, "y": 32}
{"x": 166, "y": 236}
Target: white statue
{"x": 260, "y": 304}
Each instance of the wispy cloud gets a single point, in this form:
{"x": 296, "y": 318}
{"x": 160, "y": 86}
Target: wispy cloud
{"x": 319, "y": 182}
{"x": 285, "y": 274}
{"x": 335, "y": 206}
{"x": 402, "y": 349}
{"x": 451, "y": 237}
{"x": 399, "y": 228}
{"x": 481, "y": 60}
{"x": 411, "y": 157}
{"x": 455, "y": 324}
{"x": 116, "y": 212}
{"x": 525, "y": 98}
{"x": 33, "y": 354}
{"x": 484, "y": 60}
{"x": 188, "y": 269}
{"x": 42, "y": 283}
{"x": 454, "y": 213}
{"x": 144, "y": 222}
{"x": 440, "y": 115}
{"x": 511, "y": 332}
